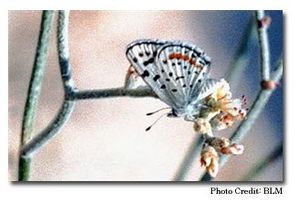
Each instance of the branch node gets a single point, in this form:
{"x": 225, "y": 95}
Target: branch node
{"x": 265, "y": 22}
{"x": 268, "y": 84}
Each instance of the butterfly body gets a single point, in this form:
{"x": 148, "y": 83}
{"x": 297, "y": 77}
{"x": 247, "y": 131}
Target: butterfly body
{"x": 176, "y": 71}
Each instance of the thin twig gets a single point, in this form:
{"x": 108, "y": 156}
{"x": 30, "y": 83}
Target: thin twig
{"x": 37, "y": 76}
{"x": 257, "y": 107}
{"x": 63, "y": 53}
{"x": 113, "y": 92}
{"x": 52, "y": 129}
{"x": 278, "y": 72}
{"x": 264, "y": 163}
{"x": 192, "y": 153}
{"x": 262, "y": 26}
{"x": 255, "y": 110}
{"x": 67, "y": 108}
{"x": 68, "y": 105}
{"x": 71, "y": 94}
{"x": 34, "y": 90}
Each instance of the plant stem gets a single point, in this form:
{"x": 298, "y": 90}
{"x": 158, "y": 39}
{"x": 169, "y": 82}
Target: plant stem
{"x": 24, "y": 168}
{"x": 68, "y": 105}
{"x": 263, "y": 39}
{"x": 63, "y": 53}
{"x": 56, "y": 125}
{"x": 256, "y": 108}
{"x": 112, "y": 92}
{"x": 34, "y": 90}
{"x": 37, "y": 76}
{"x": 66, "y": 110}
{"x": 70, "y": 92}
{"x": 264, "y": 163}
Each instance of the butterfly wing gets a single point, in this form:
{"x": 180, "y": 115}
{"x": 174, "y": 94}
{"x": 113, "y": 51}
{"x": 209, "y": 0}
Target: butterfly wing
{"x": 176, "y": 72}
{"x": 142, "y": 55}
{"x": 185, "y": 67}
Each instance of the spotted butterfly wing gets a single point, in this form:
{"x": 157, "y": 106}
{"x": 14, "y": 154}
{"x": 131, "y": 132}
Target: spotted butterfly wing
{"x": 176, "y": 71}
{"x": 142, "y": 55}
{"x": 186, "y": 68}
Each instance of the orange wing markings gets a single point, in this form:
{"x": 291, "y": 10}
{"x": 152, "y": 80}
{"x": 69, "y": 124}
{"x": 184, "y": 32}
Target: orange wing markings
{"x": 185, "y": 58}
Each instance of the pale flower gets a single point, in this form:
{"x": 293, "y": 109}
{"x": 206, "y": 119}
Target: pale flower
{"x": 224, "y": 102}
{"x": 228, "y": 110}
{"x": 202, "y": 126}
{"x": 224, "y": 146}
{"x": 234, "y": 149}
{"x": 210, "y": 160}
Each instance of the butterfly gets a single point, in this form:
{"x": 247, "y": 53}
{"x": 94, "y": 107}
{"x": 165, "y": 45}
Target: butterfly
{"x": 176, "y": 71}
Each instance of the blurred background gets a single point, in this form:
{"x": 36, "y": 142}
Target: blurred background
{"x": 105, "y": 139}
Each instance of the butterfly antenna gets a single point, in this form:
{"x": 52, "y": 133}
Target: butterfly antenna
{"x": 147, "y": 129}
{"x": 151, "y": 113}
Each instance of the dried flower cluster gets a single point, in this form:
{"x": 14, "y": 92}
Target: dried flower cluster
{"x": 211, "y": 150}
{"x": 221, "y": 112}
